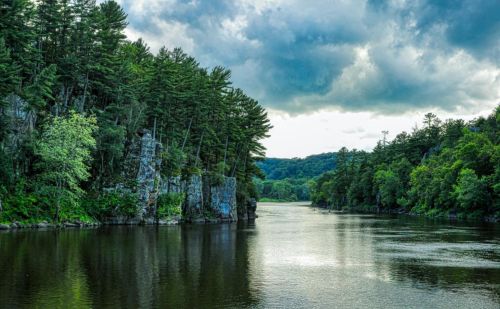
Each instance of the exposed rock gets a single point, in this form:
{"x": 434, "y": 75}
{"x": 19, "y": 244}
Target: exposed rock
{"x": 193, "y": 205}
{"x": 251, "y": 208}
{"x": 243, "y": 215}
{"x": 121, "y": 220}
{"x": 4, "y": 227}
{"x": 172, "y": 185}
{"x": 42, "y": 225}
{"x": 200, "y": 195}
{"x": 199, "y": 220}
{"x": 70, "y": 224}
{"x": 148, "y": 177}
{"x": 223, "y": 199}
{"x": 149, "y": 221}
{"x": 168, "y": 222}
{"x": 212, "y": 220}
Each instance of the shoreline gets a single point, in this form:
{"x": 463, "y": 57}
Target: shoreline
{"x": 404, "y": 212}
{"x": 44, "y": 225}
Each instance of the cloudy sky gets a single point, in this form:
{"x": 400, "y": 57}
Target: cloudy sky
{"x": 334, "y": 73}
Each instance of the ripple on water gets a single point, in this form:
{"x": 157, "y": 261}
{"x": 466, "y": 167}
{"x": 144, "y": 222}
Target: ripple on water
{"x": 445, "y": 254}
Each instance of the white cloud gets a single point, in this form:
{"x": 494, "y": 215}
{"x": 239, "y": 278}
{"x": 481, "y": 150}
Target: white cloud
{"x": 328, "y": 131}
{"x": 336, "y": 65}
{"x": 171, "y": 35}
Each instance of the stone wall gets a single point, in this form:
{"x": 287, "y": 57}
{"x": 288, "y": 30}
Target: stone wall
{"x": 172, "y": 185}
{"x": 202, "y": 197}
{"x": 148, "y": 178}
{"x": 193, "y": 206}
{"x": 223, "y": 199}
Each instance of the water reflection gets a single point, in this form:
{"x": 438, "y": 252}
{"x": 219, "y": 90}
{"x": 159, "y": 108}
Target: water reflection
{"x": 291, "y": 257}
{"x": 127, "y": 267}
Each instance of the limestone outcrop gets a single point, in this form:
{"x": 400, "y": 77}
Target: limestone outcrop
{"x": 222, "y": 203}
{"x": 193, "y": 205}
{"x": 205, "y": 200}
{"x": 148, "y": 177}
{"x": 251, "y": 208}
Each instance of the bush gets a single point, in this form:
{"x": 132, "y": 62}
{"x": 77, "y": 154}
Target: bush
{"x": 21, "y": 207}
{"x": 111, "y": 204}
{"x": 170, "y": 204}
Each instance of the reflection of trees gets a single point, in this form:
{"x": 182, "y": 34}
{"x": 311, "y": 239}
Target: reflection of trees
{"x": 184, "y": 266}
{"x": 432, "y": 276}
{"x": 42, "y": 270}
{"x": 421, "y": 271}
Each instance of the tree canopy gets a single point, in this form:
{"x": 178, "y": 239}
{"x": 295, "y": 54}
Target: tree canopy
{"x": 444, "y": 168}
{"x": 59, "y": 58}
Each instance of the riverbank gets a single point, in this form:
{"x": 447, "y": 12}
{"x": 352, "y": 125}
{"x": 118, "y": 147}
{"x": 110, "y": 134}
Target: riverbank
{"x": 17, "y": 225}
{"x": 447, "y": 215}
{"x": 71, "y": 224}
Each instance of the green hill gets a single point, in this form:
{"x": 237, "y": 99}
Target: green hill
{"x": 309, "y": 167}
{"x": 290, "y": 179}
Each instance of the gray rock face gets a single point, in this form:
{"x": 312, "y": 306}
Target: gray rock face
{"x": 42, "y": 225}
{"x": 251, "y": 207}
{"x": 200, "y": 195}
{"x": 4, "y": 227}
{"x": 121, "y": 220}
{"x": 193, "y": 206}
{"x": 21, "y": 121}
{"x": 223, "y": 199}
{"x": 148, "y": 177}
{"x": 172, "y": 185}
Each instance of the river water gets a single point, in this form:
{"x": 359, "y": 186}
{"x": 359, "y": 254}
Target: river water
{"x": 292, "y": 257}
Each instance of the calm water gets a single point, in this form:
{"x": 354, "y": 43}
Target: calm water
{"x": 292, "y": 257}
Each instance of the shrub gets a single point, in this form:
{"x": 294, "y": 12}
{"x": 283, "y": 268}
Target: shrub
{"x": 111, "y": 204}
{"x": 170, "y": 204}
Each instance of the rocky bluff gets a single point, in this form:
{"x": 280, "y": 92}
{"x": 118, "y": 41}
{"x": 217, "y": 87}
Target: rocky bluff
{"x": 205, "y": 199}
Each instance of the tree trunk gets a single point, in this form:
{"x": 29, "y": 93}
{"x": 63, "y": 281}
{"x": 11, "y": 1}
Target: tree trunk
{"x": 187, "y": 133}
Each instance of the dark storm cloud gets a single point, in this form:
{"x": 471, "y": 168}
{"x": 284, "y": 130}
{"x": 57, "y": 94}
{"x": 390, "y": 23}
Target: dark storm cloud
{"x": 298, "y": 56}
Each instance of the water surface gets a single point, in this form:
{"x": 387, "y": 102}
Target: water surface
{"x": 291, "y": 257}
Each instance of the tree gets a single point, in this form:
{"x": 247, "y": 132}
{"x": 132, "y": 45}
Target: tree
{"x": 389, "y": 187}
{"x": 64, "y": 149}
{"x": 9, "y": 73}
{"x": 470, "y": 191}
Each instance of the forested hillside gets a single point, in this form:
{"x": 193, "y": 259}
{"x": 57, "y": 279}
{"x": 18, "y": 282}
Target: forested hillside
{"x": 308, "y": 167}
{"x": 445, "y": 168}
{"x": 75, "y": 95}
{"x": 290, "y": 179}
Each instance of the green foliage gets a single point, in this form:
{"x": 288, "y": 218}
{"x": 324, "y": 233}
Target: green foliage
{"x": 40, "y": 90}
{"x": 388, "y": 184}
{"x": 62, "y": 56}
{"x": 64, "y": 149}
{"x": 170, "y": 205}
{"x": 110, "y": 204}
{"x": 443, "y": 168}
{"x": 175, "y": 159}
{"x": 20, "y": 208}
{"x": 470, "y": 191}
{"x": 288, "y": 190}
{"x": 9, "y": 72}
{"x": 309, "y": 167}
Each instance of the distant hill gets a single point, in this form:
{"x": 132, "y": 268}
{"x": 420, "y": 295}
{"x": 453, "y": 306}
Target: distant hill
{"x": 308, "y": 167}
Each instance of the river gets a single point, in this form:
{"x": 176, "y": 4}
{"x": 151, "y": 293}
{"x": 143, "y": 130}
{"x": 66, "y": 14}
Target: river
{"x": 293, "y": 256}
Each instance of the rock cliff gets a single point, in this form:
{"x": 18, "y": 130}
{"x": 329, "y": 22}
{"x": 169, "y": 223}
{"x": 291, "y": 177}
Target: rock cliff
{"x": 203, "y": 198}
{"x": 148, "y": 178}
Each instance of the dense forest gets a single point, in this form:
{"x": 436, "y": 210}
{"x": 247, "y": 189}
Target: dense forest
{"x": 290, "y": 179}
{"x": 445, "y": 168}
{"x": 308, "y": 167}
{"x": 75, "y": 95}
